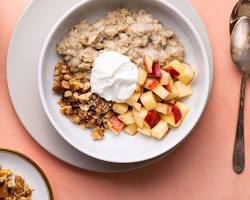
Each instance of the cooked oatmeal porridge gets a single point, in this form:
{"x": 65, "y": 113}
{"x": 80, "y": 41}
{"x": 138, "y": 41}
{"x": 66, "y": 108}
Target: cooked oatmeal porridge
{"x": 130, "y": 33}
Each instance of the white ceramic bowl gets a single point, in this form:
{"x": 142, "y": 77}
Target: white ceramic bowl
{"x": 124, "y": 148}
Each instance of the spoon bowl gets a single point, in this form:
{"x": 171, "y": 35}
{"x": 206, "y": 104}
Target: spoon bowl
{"x": 242, "y": 8}
{"x": 240, "y": 44}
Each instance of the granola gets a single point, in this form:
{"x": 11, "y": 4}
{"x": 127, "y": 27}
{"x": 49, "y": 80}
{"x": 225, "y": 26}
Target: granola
{"x": 13, "y": 187}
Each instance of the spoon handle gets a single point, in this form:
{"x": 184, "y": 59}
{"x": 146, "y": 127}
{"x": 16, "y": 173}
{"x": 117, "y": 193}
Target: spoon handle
{"x": 239, "y": 152}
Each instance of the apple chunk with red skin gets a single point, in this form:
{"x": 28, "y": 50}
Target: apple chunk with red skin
{"x": 115, "y": 124}
{"x": 156, "y": 70}
{"x": 174, "y": 68}
{"x": 178, "y": 113}
{"x": 152, "y": 118}
{"x": 154, "y": 86}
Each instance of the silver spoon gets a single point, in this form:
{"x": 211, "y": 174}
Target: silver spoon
{"x": 242, "y": 8}
{"x": 240, "y": 52}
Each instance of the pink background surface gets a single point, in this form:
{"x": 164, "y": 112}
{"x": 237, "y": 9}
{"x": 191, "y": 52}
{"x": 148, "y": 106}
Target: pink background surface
{"x": 199, "y": 169}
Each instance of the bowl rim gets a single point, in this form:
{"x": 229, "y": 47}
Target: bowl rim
{"x": 145, "y": 156}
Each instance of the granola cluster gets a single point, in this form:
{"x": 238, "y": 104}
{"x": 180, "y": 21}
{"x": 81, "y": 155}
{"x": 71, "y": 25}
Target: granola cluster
{"x": 13, "y": 188}
{"x": 78, "y": 103}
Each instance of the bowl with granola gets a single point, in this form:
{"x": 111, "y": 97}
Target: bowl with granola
{"x": 21, "y": 178}
{"x": 124, "y": 84}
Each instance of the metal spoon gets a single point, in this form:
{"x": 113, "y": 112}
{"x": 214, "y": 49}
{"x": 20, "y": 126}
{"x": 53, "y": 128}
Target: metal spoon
{"x": 240, "y": 52}
{"x": 242, "y": 8}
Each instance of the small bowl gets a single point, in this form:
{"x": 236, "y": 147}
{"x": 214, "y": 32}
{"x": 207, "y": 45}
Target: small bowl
{"x": 124, "y": 148}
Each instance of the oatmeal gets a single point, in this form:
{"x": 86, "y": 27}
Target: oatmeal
{"x": 163, "y": 78}
{"x": 132, "y": 34}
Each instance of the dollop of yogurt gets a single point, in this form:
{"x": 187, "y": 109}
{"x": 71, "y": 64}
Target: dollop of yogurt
{"x": 113, "y": 77}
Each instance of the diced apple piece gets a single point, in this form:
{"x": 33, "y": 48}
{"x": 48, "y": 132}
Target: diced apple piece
{"x": 120, "y": 108}
{"x": 152, "y": 118}
{"x": 178, "y": 113}
{"x": 133, "y": 98}
{"x": 174, "y": 68}
{"x": 139, "y": 116}
{"x": 148, "y": 100}
{"x": 172, "y": 95}
{"x": 131, "y": 129}
{"x": 151, "y": 84}
{"x": 172, "y": 71}
{"x": 142, "y": 76}
{"x": 163, "y": 108}
{"x": 160, "y": 130}
{"x": 170, "y": 85}
{"x": 146, "y": 125}
{"x": 183, "y": 90}
{"x": 145, "y": 131}
{"x": 138, "y": 88}
{"x": 156, "y": 70}
{"x": 127, "y": 118}
{"x": 115, "y": 124}
{"x": 156, "y": 87}
{"x": 161, "y": 91}
{"x": 148, "y": 63}
{"x": 187, "y": 75}
{"x": 184, "y": 109}
{"x": 169, "y": 119}
{"x": 137, "y": 106}
{"x": 165, "y": 78}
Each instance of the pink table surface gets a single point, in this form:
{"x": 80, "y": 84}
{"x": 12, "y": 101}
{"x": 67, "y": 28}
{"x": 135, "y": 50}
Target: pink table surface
{"x": 199, "y": 169}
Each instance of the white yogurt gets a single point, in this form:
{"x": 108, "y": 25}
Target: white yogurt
{"x": 113, "y": 77}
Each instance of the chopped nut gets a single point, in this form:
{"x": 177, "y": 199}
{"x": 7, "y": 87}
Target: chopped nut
{"x": 86, "y": 86}
{"x": 65, "y": 84}
{"x": 68, "y": 93}
{"x": 84, "y": 107}
{"x": 67, "y": 77}
{"x": 57, "y": 72}
{"x": 67, "y": 110}
{"x": 85, "y": 97}
{"x": 75, "y": 118}
{"x": 97, "y": 133}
